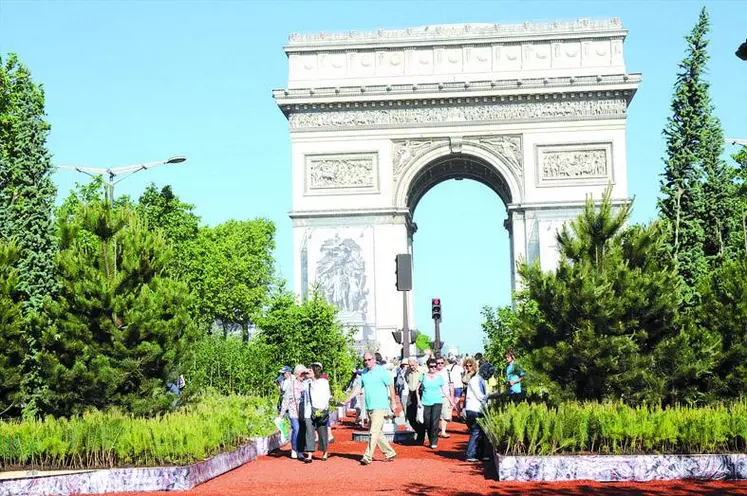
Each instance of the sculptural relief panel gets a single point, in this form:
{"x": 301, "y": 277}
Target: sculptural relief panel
{"x": 342, "y": 173}
{"x": 340, "y": 263}
{"x": 574, "y": 164}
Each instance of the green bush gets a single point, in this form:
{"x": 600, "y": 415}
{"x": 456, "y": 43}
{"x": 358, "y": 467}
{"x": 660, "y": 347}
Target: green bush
{"x": 113, "y": 439}
{"x": 616, "y": 429}
{"x": 232, "y": 366}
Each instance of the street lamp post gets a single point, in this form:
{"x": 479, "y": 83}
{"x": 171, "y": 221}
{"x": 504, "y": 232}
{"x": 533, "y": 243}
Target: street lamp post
{"x": 110, "y": 175}
{"x": 742, "y": 142}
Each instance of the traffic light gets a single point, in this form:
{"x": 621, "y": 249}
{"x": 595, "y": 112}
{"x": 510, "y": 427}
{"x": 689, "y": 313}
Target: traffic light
{"x": 436, "y": 308}
{"x": 403, "y": 271}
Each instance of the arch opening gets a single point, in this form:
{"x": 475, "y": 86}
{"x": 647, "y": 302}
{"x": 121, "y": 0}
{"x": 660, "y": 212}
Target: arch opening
{"x": 456, "y": 166}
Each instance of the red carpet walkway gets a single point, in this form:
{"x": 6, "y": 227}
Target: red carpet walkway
{"x": 418, "y": 470}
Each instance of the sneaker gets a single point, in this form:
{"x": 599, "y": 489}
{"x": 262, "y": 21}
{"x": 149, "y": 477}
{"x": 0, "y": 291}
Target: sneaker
{"x": 486, "y": 458}
{"x": 308, "y": 459}
{"x": 434, "y": 446}
{"x": 365, "y": 461}
{"x": 294, "y": 454}
{"x": 391, "y": 458}
{"x": 472, "y": 460}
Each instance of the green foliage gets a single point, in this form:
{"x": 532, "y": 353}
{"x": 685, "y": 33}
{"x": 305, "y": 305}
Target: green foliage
{"x": 698, "y": 205}
{"x": 120, "y": 328}
{"x": 307, "y": 332}
{"x": 616, "y": 429}
{"x": 232, "y": 366}
{"x": 724, "y": 310}
{"x": 27, "y": 192}
{"x": 604, "y": 324}
{"x": 232, "y": 271}
{"x": 27, "y": 196}
{"x": 500, "y": 329}
{"x": 103, "y": 440}
{"x": 11, "y": 327}
{"x": 175, "y": 220}
{"x": 422, "y": 342}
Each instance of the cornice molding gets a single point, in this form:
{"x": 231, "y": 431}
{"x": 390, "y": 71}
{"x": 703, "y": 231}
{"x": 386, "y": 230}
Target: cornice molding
{"x": 345, "y": 96}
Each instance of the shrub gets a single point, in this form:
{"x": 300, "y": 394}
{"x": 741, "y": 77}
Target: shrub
{"x": 113, "y": 439}
{"x": 615, "y": 429}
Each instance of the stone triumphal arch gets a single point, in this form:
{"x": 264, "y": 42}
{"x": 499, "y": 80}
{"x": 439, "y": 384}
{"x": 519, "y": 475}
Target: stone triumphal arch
{"x": 536, "y": 112}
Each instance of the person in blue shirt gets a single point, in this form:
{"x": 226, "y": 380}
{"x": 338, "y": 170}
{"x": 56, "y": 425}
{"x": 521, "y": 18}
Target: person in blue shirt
{"x": 378, "y": 391}
{"x": 514, "y": 376}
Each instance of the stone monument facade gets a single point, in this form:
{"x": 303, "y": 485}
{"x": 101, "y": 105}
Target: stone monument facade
{"x": 536, "y": 112}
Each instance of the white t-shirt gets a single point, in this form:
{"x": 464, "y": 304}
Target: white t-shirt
{"x": 476, "y": 394}
{"x": 320, "y": 394}
{"x": 456, "y": 372}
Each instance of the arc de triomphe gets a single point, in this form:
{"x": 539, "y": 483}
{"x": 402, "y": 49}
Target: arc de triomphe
{"x": 536, "y": 112}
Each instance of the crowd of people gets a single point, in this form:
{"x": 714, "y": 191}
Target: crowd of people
{"x": 428, "y": 391}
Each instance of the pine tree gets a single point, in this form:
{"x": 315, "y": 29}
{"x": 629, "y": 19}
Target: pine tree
{"x": 598, "y": 327}
{"x": 689, "y": 133}
{"x": 27, "y": 196}
{"x": 11, "y": 329}
{"x": 120, "y": 325}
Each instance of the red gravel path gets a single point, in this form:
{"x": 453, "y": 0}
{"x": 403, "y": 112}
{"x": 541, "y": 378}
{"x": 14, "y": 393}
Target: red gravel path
{"x": 417, "y": 470}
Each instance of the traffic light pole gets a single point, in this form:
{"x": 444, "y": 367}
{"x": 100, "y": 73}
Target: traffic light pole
{"x": 438, "y": 336}
{"x": 405, "y": 328}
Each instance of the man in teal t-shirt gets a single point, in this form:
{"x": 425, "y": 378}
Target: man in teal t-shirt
{"x": 378, "y": 388}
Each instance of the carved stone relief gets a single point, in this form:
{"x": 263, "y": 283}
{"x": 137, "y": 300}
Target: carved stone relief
{"x": 509, "y": 149}
{"x": 517, "y": 111}
{"x": 574, "y": 162}
{"x": 330, "y": 172}
{"x": 405, "y": 152}
{"x": 341, "y": 273}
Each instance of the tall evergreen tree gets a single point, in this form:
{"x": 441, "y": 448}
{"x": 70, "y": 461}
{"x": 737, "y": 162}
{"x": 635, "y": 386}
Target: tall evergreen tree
{"x": 27, "y": 196}
{"x": 688, "y": 132}
{"x": 120, "y": 324}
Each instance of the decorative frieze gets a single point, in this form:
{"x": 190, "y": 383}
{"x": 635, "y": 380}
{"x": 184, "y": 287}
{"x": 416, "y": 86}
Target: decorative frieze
{"x": 574, "y": 164}
{"x": 325, "y": 173}
{"x": 424, "y": 116}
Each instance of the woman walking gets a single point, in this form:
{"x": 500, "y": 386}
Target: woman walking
{"x": 431, "y": 399}
{"x": 291, "y": 406}
{"x": 320, "y": 396}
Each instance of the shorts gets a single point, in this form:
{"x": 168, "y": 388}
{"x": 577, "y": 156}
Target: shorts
{"x": 446, "y": 410}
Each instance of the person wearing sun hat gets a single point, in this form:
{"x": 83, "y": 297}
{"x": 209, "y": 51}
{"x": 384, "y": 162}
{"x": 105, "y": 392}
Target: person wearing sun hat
{"x": 291, "y": 406}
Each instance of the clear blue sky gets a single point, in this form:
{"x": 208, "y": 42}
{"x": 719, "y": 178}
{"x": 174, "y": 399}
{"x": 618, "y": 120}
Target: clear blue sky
{"x": 134, "y": 81}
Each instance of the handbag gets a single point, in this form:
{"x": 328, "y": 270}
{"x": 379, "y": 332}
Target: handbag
{"x": 319, "y": 416}
{"x": 420, "y": 415}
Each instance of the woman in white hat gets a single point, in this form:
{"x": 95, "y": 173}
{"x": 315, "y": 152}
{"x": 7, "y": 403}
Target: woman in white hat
{"x": 292, "y": 407}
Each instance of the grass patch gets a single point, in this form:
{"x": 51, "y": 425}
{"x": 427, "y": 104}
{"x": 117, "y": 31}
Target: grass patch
{"x": 616, "y": 429}
{"x": 113, "y": 439}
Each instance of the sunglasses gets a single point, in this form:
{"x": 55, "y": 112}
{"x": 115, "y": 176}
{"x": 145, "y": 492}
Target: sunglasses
{"x": 368, "y": 359}
{"x": 431, "y": 366}
{"x": 440, "y": 363}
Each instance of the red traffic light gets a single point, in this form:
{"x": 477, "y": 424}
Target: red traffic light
{"x": 436, "y": 301}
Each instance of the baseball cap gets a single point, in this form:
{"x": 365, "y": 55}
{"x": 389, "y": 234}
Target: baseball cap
{"x": 285, "y": 369}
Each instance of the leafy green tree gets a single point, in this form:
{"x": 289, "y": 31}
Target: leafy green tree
{"x": 120, "y": 327}
{"x": 307, "y": 332}
{"x": 500, "y": 327}
{"x": 27, "y": 196}
{"x": 603, "y": 314}
{"x": 232, "y": 271}
{"x": 422, "y": 342}
{"x": 11, "y": 329}
{"x": 164, "y": 211}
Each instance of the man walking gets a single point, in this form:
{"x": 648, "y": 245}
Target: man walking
{"x": 412, "y": 379}
{"x": 378, "y": 390}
